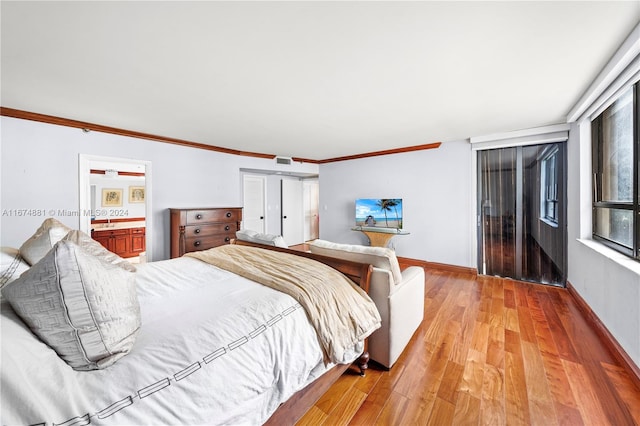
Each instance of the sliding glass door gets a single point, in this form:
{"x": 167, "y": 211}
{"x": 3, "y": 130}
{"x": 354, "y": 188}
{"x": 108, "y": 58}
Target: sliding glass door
{"x": 522, "y": 213}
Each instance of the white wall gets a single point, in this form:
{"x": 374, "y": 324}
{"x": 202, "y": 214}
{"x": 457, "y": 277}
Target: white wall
{"x": 435, "y": 186}
{"x": 608, "y": 281}
{"x": 40, "y": 171}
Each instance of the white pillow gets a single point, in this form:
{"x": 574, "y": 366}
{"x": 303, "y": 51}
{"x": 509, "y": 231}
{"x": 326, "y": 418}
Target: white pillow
{"x": 94, "y": 248}
{"x": 50, "y": 232}
{"x": 380, "y": 257}
{"x": 84, "y": 308}
{"x": 11, "y": 265}
{"x": 246, "y": 234}
{"x": 255, "y": 237}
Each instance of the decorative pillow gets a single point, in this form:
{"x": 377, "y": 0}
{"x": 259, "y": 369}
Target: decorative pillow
{"x": 50, "y": 232}
{"x": 11, "y": 265}
{"x": 255, "y": 237}
{"x": 96, "y": 249}
{"x": 380, "y": 257}
{"x": 84, "y": 308}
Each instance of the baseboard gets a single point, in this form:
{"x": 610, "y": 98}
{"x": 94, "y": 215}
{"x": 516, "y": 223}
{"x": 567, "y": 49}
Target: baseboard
{"x": 437, "y": 266}
{"x": 612, "y": 344}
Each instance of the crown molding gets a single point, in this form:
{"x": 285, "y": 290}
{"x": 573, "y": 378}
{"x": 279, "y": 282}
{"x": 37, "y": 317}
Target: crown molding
{"x": 50, "y": 119}
{"x": 85, "y": 126}
{"x": 374, "y": 153}
{"x": 104, "y": 172}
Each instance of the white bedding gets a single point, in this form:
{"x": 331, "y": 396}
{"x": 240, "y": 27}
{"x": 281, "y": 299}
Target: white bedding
{"x": 214, "y": 348}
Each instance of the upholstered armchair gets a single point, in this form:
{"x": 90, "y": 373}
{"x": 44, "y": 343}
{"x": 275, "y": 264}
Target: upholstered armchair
{"x": 399, "y": 296}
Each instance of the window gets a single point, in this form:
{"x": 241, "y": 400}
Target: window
{"x": 615, "y": 174}
{"x": 549, "y": 185}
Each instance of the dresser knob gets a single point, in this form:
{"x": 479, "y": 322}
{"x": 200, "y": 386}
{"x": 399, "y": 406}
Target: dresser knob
{"x": 226, "y": 228}
{"x": 227, "y": 239}
{"x": 196, "y": 231}
{"x": 198, "y": 216}
{"x": 197, "y": 243}
{"x": 228, "y": 214}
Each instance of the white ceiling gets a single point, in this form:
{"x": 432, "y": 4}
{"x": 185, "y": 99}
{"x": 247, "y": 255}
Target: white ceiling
{"x": 314, "y": 80}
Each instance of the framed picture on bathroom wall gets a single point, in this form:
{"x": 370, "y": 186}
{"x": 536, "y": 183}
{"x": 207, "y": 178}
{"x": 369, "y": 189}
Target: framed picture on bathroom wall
{"x": 111, "y": 197}
{"x": 136, "y": 194}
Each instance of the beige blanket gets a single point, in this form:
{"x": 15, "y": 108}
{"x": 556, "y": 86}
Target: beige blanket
{"x": 341, "y": 312}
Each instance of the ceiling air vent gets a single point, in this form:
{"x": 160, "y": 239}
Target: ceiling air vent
{"x": 283, "y": 160}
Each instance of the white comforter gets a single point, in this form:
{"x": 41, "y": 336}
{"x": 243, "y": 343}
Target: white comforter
{"x": 214, "y": 348}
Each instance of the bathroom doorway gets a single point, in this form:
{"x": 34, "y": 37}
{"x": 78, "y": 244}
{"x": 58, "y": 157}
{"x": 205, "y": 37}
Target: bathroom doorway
{"x": 115, "y": 201}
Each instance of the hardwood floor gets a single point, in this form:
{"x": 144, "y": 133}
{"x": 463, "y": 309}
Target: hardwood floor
{"x": 490, "y": 352}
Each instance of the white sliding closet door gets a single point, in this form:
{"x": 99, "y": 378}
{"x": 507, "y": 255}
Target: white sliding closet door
{"x": 292, "y": 211}
{"x": 253, "y": 202}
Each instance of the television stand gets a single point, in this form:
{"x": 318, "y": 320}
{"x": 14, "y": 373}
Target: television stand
{"x": 379, "y": 237}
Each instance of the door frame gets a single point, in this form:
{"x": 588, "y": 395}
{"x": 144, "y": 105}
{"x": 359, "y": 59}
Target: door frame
{"x": 84, "y": 194}
{"x": 308, "y": 227}
{"x": 534, "y": 204}
{"x": 533, "y": 136}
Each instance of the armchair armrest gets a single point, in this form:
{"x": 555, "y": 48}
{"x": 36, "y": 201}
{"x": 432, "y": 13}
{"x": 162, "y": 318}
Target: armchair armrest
{"x": 380, "y": 287}
{"x": 409, "y": 275}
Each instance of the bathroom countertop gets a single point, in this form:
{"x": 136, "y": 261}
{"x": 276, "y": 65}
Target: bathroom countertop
{"x": 117, "y": 225}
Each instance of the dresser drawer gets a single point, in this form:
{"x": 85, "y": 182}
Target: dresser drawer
{"x": 207, "y": 229}
{"x": 203, "y": 243}
{"x": 202, "y": 228}
{"x": 221, "y": 215}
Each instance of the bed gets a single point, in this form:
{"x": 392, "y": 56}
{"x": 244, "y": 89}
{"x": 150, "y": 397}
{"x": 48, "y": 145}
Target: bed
{"x": 213, "y": 347}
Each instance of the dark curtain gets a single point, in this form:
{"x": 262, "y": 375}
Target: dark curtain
{"x": 522, "y": 213}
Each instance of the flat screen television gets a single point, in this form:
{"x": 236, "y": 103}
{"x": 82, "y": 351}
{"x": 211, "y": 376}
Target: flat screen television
{"x": 379, "y": 213}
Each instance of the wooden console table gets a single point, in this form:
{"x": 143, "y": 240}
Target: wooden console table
{"x": 379, "y": 237}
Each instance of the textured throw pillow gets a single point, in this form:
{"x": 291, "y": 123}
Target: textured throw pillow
{"x": 380, "y": 257}
{"x": 256, "y": 237}
{"x": 96, "y": 249}
{"x": 50, "y": 232}
{"x": 11, "y": 265}
{"x": 84, "y": 308}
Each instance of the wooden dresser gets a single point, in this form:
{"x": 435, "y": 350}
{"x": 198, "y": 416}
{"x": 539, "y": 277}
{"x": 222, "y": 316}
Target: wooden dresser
{"x": 204, "y": 228}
